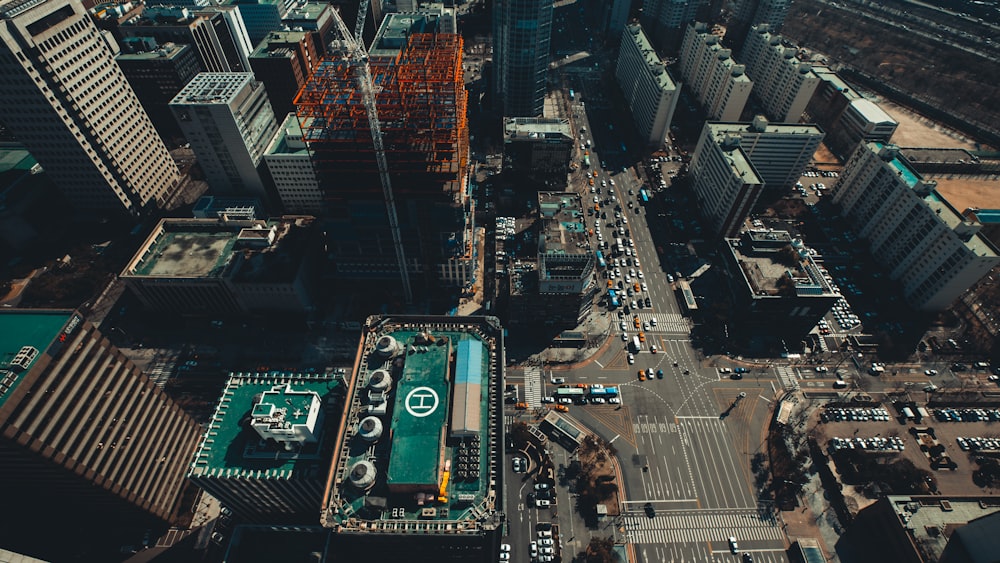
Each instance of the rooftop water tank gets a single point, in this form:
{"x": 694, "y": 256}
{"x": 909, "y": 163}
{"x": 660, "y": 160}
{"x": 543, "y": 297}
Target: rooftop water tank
{"x": 379, "y": 380}
{"x": 362, "y": 475}
{"x": 387, "y": 346}
{"x": 370, "y": 428}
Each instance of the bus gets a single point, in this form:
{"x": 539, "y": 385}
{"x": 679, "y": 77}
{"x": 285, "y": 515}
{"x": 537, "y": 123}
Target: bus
{"x": 619, "y": 246}
{"x": 586, "y": 161}
{"x": 571, "y": 94}
{"x": 571, "y": 392}
{"x": 611, "y": 391}
{"x": 599, "y": 392}
{"x": 613, "y": 299}
{"x": 600, "y": 260}
{"x": 644, "y": 196}
{"x": 636, "y": 345}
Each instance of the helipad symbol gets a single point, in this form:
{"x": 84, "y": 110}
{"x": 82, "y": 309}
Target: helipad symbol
{"x": 421, "y": 402}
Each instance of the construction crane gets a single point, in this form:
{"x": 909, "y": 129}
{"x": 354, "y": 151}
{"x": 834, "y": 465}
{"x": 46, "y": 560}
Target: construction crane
{"x": 358, "y": 57}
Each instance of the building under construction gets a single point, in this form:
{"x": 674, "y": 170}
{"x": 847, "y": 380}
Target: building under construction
{"x": 421, "y": 104}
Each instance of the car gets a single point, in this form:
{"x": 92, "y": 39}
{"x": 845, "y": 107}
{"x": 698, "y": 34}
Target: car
{"x": 930, "y": 372}
{"x": 645, "y": 325}
{"x": 615, "y": 400}
{"x": 631, "y": 358}
{"x": 565, "y": 401}
{"x": 534, "y": 549}
{"x": 648, "y": 302}
{"x": 642, "y": 375}
{"x": 642, "y": 336}
{"x": 931, "y": 388}
{"x": 544, "y": 533}
{"x": 543, "y": 486}
{"x": 542, "y": 503}
{"x": 650, "y": 511}
{"x": 624, "y": 337}
{"x": 640, "y": 274}
{"x": 504, "y": 556}
{"x": 644, "y": 287}
{"x": 736, "y": 376}
{"x": 747, "y": 558}
{"x": 741, "y": 370}
{"x": 659, "y": 374}
{"x": 733, "y": 546}
{"x": 993, "y": 377}
{"x": 546, "y": 542}
{"x": 548, "y": 399}
{"x": 597, "y": 400}
{"x": 821, "y": 369}
{"x": 558, "y": 380}
{"x": 652, "y": 321}
{"x": 505, "y": 547}
{"x": 652, "y": 348}
{"x": 546, "y": 550}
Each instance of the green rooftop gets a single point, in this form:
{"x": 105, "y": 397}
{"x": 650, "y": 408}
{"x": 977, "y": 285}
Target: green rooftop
{"x": 193, "y": 253}
{"x": 231, "y": 448}
{"x": 26, "y": 327}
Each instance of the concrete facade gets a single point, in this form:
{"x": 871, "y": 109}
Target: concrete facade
{"x": 724, "y": 181}
{"x": 718, "y": 82}
{"x": 649, "y": 90}
{"x": 780, "y": 152}
{"x": 784, "y": 84}
{"x": 522, "y": 32}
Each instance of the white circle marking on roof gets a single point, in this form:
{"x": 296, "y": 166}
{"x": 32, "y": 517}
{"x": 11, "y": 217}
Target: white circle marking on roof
{"x": 421, "y": 402}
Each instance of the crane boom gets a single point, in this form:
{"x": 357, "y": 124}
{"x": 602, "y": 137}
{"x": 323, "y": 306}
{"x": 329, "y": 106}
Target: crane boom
{"x": 359, "y": 58}
{"x": 359, "y": 25}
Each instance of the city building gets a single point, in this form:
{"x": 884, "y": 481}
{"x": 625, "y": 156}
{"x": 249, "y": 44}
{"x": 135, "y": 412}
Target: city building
{"x": 67, "y": 100}
{"x": 747, "y": 13}
{"x": 421, "y": 106}
{"x": 556, "y": 289}
{"x": 214, "y": 207}
{"x": 719, "y": 84}
{"x": 537, "y": 147}
{"x": 923, "y": 528}
{"x": 724, "y": 181}
{"x": 23, "y": 186}
{"x": 267, "y": 448}
{"x": 157, "y": 73}
{"x": 848, "y": 118}
{"x": 522, "y": 31}
{"x": 780, "y": 152}
{"x": 774, "y": 276}
{"x": 665, "y": 20}
{"x": 649, "y": 90}
{"x": 314, "y": 17}
{"x": 291, "y": 170}
{"x": 783, "y": 84}
{"x": 262, "y": 16}
{"x": 418, "y": 469}
{"x": 225, "y": 266}
{"x": 227, "y": 118}
{"x": 219, "y": 48}
{"x": 607, "y": 17}
{"x": 85, "y": 433}
{"x": 283, "y": 61}
{"x": 924, "y": 244}
{"x": 232, "y": 32}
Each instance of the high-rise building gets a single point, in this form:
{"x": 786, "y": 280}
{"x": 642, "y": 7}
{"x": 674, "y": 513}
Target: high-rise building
{"x": 283, "y": 61}
{"x": 538, "y": 147}
{"x": 67, "y": 100}
{"x": 724, "y": 181}
{"x": 420, "y": 438}
{"x": 665, "y": 20}
{"x": 522, "y": 31}
{"x": 291, "y": 169}
{"x": 314, "y": 17}
{"x": 848, "y": 118}
{"x": 85, "y": 432}
{"x": 268, "y": 445}
{"x": 422, "y": 109}
{"x": 262, "y": 16}
{"x": 926, "y": 245}
{"x": 157, "y": 73}
{"x": 748, "y": 13}
{"x": 783, "y": 83}
{"x": 228, "y": 120}
{"x": 649, "y": 90}
{"x": 780, "y": 152}
{"x": 607, "y": 17}
{"x": 720, "y": 85}
{"x": 219, "y": 48}
{"x": 232, "y": 32}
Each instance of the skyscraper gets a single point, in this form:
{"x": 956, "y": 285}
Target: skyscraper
{"x": 85, "y": 433}
{"x": 67, "y": 100}
{"x": 716, "y": 80}
{"x": 783, "y": 83}
{"x": 228, "y": 119}
{"x": 649, "y": 90}
{"x": 522, "y": 30}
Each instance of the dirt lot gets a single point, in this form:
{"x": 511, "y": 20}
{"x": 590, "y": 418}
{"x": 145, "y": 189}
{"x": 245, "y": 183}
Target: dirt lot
{"x": 969, "y": 192}
{"x": 916, "y": 130}
{"x": 957, "y": 482}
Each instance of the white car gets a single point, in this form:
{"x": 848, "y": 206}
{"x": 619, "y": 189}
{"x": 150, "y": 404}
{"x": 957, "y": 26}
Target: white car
{"x": 622, "y": 325}
{"x": 598, "y": 400}
{"x": 544, "y": 534}
{"x": 565, "y": 401}
{"x": 505, "y": 547}
{"x": 534, "y": 549}
{"x": 733, "y": 546}
{"x": 624, "y": 337}
{"x": 612, "y": 181}
{"x": 631, "y": 358}
{"x": 640, "y": 274}
{"x": 504, "y": 556}
{"x": 548, "y": 399}
{"x": 546, "y": 542}
{"x": 596, "y": 386}
{"x": 644, "y": 286}
{"x": 542, "y": 503}
{"x": 652, "y": 321}
{"x": 615, "y": 400}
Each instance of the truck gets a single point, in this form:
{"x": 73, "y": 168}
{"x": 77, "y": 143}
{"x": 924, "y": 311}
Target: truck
{"x": 636, "y": 345}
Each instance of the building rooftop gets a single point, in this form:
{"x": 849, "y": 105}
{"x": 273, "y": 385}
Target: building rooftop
{"x": 415, "y": 458}
{"x": 164, "y": 52}
{"x": 308, "y": 11}
{"x": 396, "y": 28}
{"x": 231, "y": 448}
{"x": 26, "y": 334}
{"x": 738, "y": 160}
{"x": 213, "y": 88}
{"x": 281, "y": 37}
{"x": 536, "y": 129}
{"x": 775, "y": 264}
{"x": 729, "y": 62}
{"x": 759, "y": 126}
{"x": 288, "y": 139}
{"x": 871, "y": 111}
{"x": 827, "y": 74}
{"x": 563, "y": 228}
{"x": 14, "y": 157}
{"x": 243, "y": 250}
{"x": 656, "y": 66}
{"x": 930, "y": 520}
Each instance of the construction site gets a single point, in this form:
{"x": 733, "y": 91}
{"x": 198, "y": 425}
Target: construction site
{"x": 420, "y": 99}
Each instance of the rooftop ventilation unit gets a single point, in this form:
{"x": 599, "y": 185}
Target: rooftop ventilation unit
{"x": 23, "y": 358}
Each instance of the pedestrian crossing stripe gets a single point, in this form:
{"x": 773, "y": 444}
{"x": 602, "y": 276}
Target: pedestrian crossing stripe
{"x": 533, "y": 387}
{"x": 665, "y": 322}
{"x": 702, "y": 526}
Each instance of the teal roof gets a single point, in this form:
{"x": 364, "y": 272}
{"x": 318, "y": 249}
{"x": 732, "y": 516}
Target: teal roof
{"x": 907, "y": 173}
{"x": 16, "y": 159}
{"x": 230, "y": 448}
{"x": 988, "y": 216}
{"x": 26, "y": 327}
{"x": 469, "y": 362}
{"x": 420, "y": 415}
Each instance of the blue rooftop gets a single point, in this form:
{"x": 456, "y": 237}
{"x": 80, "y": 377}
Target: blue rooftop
{"x": 469, "y": 362}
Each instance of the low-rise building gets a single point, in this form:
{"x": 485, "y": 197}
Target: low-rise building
{"x": 418, "y": 463}
{"x": 649, "y": 90}
{"x": 223, "y": 266}
{"x": 774, "y": 276}
{"x": 848, "y": 118}
{"x": 537, "y": 147}
{"x": 927, "y": 246}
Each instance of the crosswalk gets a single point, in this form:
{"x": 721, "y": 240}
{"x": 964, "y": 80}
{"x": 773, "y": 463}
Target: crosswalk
{"x": 788, "y": 379}
{"x": 666, "y": 322}
{"x": 533, "y": 387}
{"x": 704, "y": 525}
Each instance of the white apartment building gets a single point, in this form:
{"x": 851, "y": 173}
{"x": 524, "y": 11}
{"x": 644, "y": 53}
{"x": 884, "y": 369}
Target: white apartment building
{"x": 227, "y": 118}
{"x": 291, "y": 170}
{"x": 64, "y": 96}
{"x": 724, "y": 181}
{"x": 784, "y": 84}
{"x": 649, "y": 89}
{"x": 718, "y": 82}
{"x": 924, "y": 243}
{"x": 780, "y": 152}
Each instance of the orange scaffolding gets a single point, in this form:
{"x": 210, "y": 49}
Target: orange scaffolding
{"x": 421, "y": 101}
